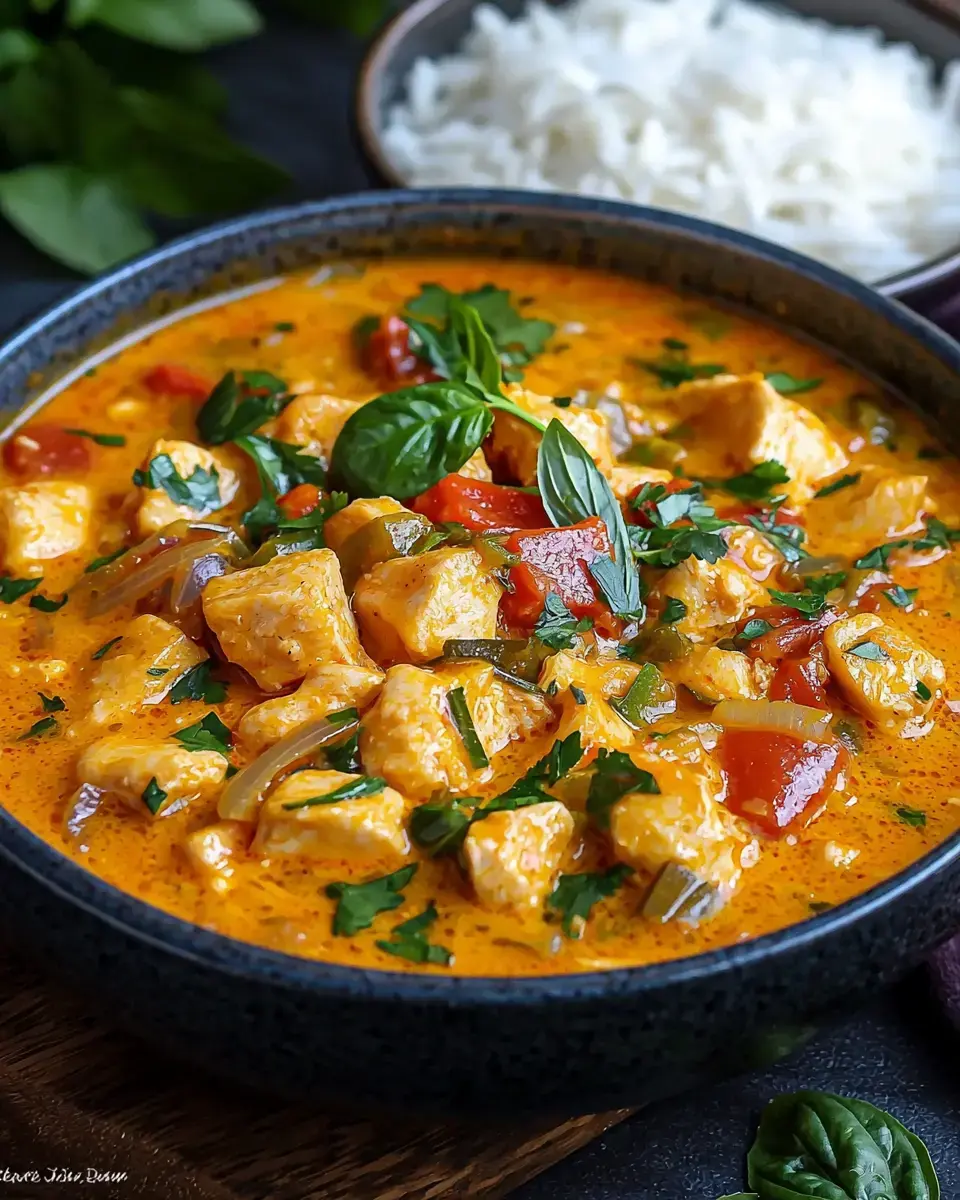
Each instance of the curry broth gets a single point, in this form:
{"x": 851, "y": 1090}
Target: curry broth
{"x": 602, "y": 322}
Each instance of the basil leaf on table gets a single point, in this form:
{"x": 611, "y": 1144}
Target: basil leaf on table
{"x": 572, "y": 488}
{"x": 814, "y": 1144}
{"x": 186, "y": 25}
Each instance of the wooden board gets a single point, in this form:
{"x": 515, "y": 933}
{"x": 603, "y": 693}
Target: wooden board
{"x": 75, "y": 1094}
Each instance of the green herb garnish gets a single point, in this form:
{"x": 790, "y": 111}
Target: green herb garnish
{"x": 12, "y": 589}
{"x": 154, "y": 796}
{"x": 869, "y": 650}
{"x": 240, "y": 403}
{"x": 673, "y": 610}
{"x": 105, "y": 648}
{"x": 368, "y": 785}
{"x": 359, "y": 903}
{"x": 196, "y": 684}
{"x": 45, "y": 604}
{"x": 757, "y": 483}
{"x": 754, "y": 628}
{"x": 900, "y": 597}
{"x": 51, "y": 704}
{"x": 409, "y": 940}
{"x": 104, "y": 560}
{"x": 788, "y": 385}
{"x": 912, "y": 816}
{"x": 615, "y": 776}
{"x": 575, "y": 895}
{"x": 923, "y": 691}
{"x": 556, "y": 626}
{"x": 460, "y": 715}
{"x": 809, "y": 603}
{"x": 200, "y": 491}
{"x": 39, "y": 728}
{"x": 674, "y": 367}
{"x": 844, "y": 481}
{"x": 210, "y": 733}
{"x": 101, "y": 439}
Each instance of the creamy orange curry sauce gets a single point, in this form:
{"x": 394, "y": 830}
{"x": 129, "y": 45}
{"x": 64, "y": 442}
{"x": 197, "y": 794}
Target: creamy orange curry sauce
{"x": 402, "y": 618}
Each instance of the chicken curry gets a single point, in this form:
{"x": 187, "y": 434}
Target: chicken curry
{"x": 396, "y": 617}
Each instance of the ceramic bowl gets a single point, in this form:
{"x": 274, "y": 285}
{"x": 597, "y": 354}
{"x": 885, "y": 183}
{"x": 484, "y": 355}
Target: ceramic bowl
{"x": 435, "y": 1043}
{"x": 432, "y": 28}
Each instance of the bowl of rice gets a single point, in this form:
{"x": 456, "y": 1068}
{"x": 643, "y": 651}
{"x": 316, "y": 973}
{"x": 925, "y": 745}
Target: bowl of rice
{"x": 839, "y": 139}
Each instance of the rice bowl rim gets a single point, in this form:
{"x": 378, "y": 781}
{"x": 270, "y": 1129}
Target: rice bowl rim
{"x": 369, "y": 99}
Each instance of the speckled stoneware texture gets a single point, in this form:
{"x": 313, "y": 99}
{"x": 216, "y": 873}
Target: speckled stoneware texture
{"x": 562, "y": 1045}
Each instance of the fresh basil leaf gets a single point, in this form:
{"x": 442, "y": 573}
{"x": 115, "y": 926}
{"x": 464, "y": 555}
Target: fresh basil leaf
{"x": 923, "y": 692}
{"x": 610, "y": 580}
{"x": 439, "y": 827}
{"x": 936, "y": 536}
{"x": 285, "y": 466}
{"x": 869, "y": 650}
{"x": 615, "y": 776}
{"x": 18, "y": 47}
{"x": 240, "y": 403}
{"x": 462, "y": 719}
{"x": 104, "y": 560}
{"x": 668, "y": 547}
{"x": 409, "y": 940}
{"x": 757, "y": 483}
{"x": 196, "y": 684}
{"x": 345, "y": 756}
{"x": 101, "y": 439}
{"x": 51, "y": 704}
{"x": 912, "y": 816}
{"x": 900, "y": 597}
{"x": 562, "y": 757}
{"x": 356, "y": 789}
{"x": 575, "y": 895}
{"x": 674, "y": 367}
{"x": 809, "y": 603}
{"x": 823, "y": 584}
{"x": 573, "y": 489}
{"x": 185, "y": 25}
{"x": 39, "y": 728}
{"x": 280, "y": 468}
{"x": 210, "y": 733}
{"x": 12, "y": 589}
{"x": 154, "y": 797}
{"x": 46, "y": 604}
{"x": 106, "y": 648}
{"x": 556, "y": 626}
{"x": 673, "y": 610}
{"x": 462, "y": 350}
{"x": 844, "y": 481}
{"x": 74, "y": 215}
{"x": 359, "y": 903}
{"x": 788, "y": 385}
{"x": 404, "y": 442}
{"x": 200, "y": 491}
{"x": 814, "y": 1144}
{"x": 786, "y": 538}
{"x": 754, "y": 628}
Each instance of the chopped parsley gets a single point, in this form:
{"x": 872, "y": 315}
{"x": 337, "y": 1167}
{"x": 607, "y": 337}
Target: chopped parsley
{"x": 210, "y": 733}
{"x": 912, "y": 816}
{"x": 556, "y": 626}
{"x": 615, "y": 776}
{"x": 869, "y": 650}
{"x": 240, "y": 403}
{"x": 900, "y": 597}
{"x": 936, "y": 536}
{"x": 196, "y": 684}
{"x": 665, "y": 543}
{"x": 460, "y": 715}
{"x": 409, "y": 940}
{"x": 367, "y": 785}
{"x": 754, "y": 628}
{"x": 105, "y": 648}
{"x": 575, "y": 895}
{"x": 104, "y": 560}
{"x": 12, "y": 589}
{"x": 51, "y": 704}
{"x": 359, "y": 903}
{"x": 844, "y": 481}
{"x": 809, "y": 603}
{"x": 673, "y": 610}
{"x": 199, "y": 491}
{"x": 756, "y": 484}
{"x": 786, "y": 538}
{"x": 923, "y": 691}
{"x": 788, "y": 385}
{"x": 45, "y": 604}
{"x": 39, "y": 728}
{"x": 158, "y": 672}
{"x": 101, "y": 439}
{"x": 284, "y": 327}
{"x": 154, "y": 797}
{"x": 674, "y": 367}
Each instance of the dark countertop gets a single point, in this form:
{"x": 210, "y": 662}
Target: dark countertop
{"x": 291, "y": 95}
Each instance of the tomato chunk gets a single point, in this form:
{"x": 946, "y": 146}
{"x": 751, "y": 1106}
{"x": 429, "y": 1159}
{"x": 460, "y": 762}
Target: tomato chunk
{"x": 45, "y": 450}
{"x": 476, "y": 504}
{"x": 169, "y": 379}
{"x": 555, "y": 560}
{"x": 388, "y": 357}
{"x": 299, "y": 501}
{"x": 801, "y": 680}
{"x": 774, "y": 779}
{"x": 791, "y": 634}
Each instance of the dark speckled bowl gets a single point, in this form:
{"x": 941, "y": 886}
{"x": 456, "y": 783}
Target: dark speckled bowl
{"x": 431, "y": 1042}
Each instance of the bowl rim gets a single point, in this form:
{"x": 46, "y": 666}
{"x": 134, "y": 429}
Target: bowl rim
{"x": 68, "y": 880}
{"x": 929, "y": 273}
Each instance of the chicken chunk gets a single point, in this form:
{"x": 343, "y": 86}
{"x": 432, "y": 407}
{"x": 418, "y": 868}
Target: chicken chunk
{"x": 512, "y": 857}
{"x": 884, "y": 674}
{"x": 476, "y": 467}
{"x": 157, "y": 509}
{"x": 744, "y": 419}
{"x": 713, "y": 593}
{"x": 409, "y": 738}
{"x": 748, "y": 548}
{"x": 40, "y": 521}
{"x": 625, "y": 479}
{"x": 212, "y": 852}
{"x": 328, "y": 689}
{"x": 151, "y": 776}
{"x": 408, "y": 607}
{"x": 314, "y": 422}
{"x": 141, "y": 668}
{"x": 685, "y": 823}
{"x": 589, "y": 713}
{"x": 347, "y": 521}
{"x": 882, "y": 507}
{"x": 713, "y": 675}
{"x": 514, "y": 445}
{"x": 280, "y": 620}
{"x": 364, "y": 828}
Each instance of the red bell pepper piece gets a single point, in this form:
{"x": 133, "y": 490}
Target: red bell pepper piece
{"x": 476, "y": 504}
{"x": 801, "y": 680}
{"x": 791, "y": 634}
{"x": 45, "y": 450}
{"x": 555, "y": 560}
{"x": 299, "y": 501}
{"x": 387, "y": 356}
{"x": 774, "y": 779}
{"x": 169, "y": 379}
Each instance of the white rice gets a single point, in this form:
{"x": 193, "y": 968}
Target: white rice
{"x": 826, "y": 140}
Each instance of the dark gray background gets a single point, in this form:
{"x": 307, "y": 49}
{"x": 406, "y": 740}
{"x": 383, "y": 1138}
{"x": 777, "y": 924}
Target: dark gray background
{"x": 291, "y": 99}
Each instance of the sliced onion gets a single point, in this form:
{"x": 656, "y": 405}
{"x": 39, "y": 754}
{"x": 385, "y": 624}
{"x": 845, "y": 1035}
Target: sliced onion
{"x": 953, "y": 706}
{"x": 860, "y": 581}
{"x": 240, "y": 799}
{"x": 776, "y": 716}
{"x": 80, "y": 808}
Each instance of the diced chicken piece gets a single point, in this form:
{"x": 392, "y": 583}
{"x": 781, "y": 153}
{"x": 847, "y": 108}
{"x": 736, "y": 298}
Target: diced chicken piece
{"x": 409, "y": 738}
{"x": 212, "y": 852}
{"x": 714, "y": 593}
{"x": 625, "y": 479}
{"x": 748, "y": 548}
{"x": 514, "y": 444}
{"x": 280, "y": 620}
{"x": 328, "y": 689}
{"x": 314, "y": 422}
{"x": 141, "y": 668}
{"x": 880, "y": 508}
{"x": 744, "y": 419}
{"x": 40, "y": 521}
{"x": 685, "y": 823}
{"x": 476, "y": 467}
{"x": 590, "y": 713}
{"x": 158, "y": 510}
{"x": 879, "y": 670}
{"x": 128, "y": 767}
{"x": 408, "y": 607}
{"x": 347, "y": 521}
{"x": 713, "y": 675}
{"x": 365, "y": 828}
{"x": 512, "y": 857}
